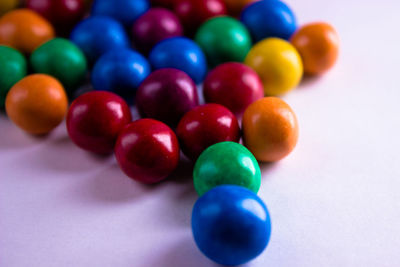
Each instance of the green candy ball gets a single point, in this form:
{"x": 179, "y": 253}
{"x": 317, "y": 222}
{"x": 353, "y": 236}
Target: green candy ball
{"x": 13, "y": 67}
{"x": 61, "y": 59}
{"x": 226, "y": 163}
{"x": 223, "y": 39}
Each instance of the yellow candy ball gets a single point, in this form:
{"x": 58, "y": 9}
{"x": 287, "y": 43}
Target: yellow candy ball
{"x": 278, "y": 64}
{"x": 7, "y": 5}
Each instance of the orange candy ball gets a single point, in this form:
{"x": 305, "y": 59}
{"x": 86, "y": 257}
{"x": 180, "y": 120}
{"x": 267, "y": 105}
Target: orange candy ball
{"x": 37, "y": 103}
{"x": 270, "y": 129}
{"x": 318, "y": 45}
{"x": 24, "y": 30}
{"x": 236, "y": 6}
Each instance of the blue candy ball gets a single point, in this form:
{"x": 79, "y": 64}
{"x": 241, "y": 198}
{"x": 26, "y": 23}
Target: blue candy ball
{"x": 125, "y": 11}
{"x": 269, "y": 18}
{"x": 120, "y": 71}
{"x": 231, "y": 225}
{"x": 182, "y": 54}
{"x": 96, "y": 36}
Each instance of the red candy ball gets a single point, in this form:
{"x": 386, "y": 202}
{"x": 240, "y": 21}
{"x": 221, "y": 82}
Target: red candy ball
{"x": 204, "y": 126}
{"x": 154, "y": 26}
{"x": 64, "y": 14}
{"x": 166, "y": 95}
{"x": 147, "y": 151}
{"x": 95, "y": 119}
{"x": 193, "y": 13}
{"x": 233, "y": 85}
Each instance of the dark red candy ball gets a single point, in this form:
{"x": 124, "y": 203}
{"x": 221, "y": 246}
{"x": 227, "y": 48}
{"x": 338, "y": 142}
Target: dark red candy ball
{"x": 63, "y": 14}
{"x": 193, "y": 13}
{"x": 166, "y": 95}
{"x": 163, "y": 3}
{"x": 147, "y": 151}
{"x": 154, "y": 26}
{"x": 95, "y": 119}
{"x": 204, "y": 126}
{"x": 233, "y": 85}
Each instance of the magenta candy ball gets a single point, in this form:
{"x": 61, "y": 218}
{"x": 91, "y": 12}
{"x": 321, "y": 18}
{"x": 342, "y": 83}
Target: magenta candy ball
{"x": 233, "y": 85}
{"x": 166, "y": 95}
{"x": 154, "y": 26}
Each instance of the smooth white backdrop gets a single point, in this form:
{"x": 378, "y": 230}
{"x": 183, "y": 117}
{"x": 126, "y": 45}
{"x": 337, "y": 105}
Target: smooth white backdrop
{"x": 334, "y": 202}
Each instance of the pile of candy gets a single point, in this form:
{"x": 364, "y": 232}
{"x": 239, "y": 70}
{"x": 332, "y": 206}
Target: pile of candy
{"x": 230, "y": 223}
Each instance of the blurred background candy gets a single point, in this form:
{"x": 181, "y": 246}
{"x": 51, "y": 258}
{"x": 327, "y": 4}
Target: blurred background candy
{"x": 120, "y": 71}
{"x": 204, "y": 126}
{"x": 236, "y": 6}
{"x": 125, "y": 11}
{"x": 233, "y": 85}
{"x": 226, "y": 163}
{"x": 270, "y": 129}
{"x": 278, "y": 64}
{"x": 269, "y": 18}
{"x": 7, "y": 5}
{"x": 24, "y": 30}
{"x": 166, "y": 95}
{"x": 223, "y": 39}
{"x": 193, "y": 13}
{"x": 98, "y": 35}
{"x": 163, "y": 3}
{"x": 95, "y": 119}
{"x": 63, "y": 14}
{"x": 13, "y": 67}
{"x": 147, "y": 151}
{"x": 318, "y": 45}
{"x": 37, "y": 104}
{"x": 61, "y": 59}
{"x": 154, "y": 26}
{"x": 180, "y": 53}
{"x": 231, "y": 225}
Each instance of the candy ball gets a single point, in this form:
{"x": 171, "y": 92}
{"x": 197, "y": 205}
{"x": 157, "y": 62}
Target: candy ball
{"x": 61, "y": 59}
{"x": 193, "y": 13}
{"x": 120, "y": 71}
{"x": 167, "y": 95}
{"x": 125, "y": 11}
{"x": 37, "y": 104}
{"x": 236, "y": 6}
{"x": 13, "y": 68}
{"x": 223, "y": 39}
{"x": 95, "y": 119}
{"x": 154, "y": 26}
{"x": 231, "y": 225}
{"x": 270, "y": 129}
{"x": 204, "y": 126}
{"x": 98, "y": 35}
{"x": 233, "y": 85}
{"x": 24, "y": 30}
{"x": 271, "y": 18}
{"x": 278, "y": 64}
{"x": 318, "y": 45}
{"x": 147, "y": 151}
{"x": 63, "y": 14}
{"x": 7, "y": 5}
{"x": 180, "y": 53}
{"x": 226, "y": 163}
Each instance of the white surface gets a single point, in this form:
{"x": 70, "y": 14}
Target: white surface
{"x": 334, "y": 202}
